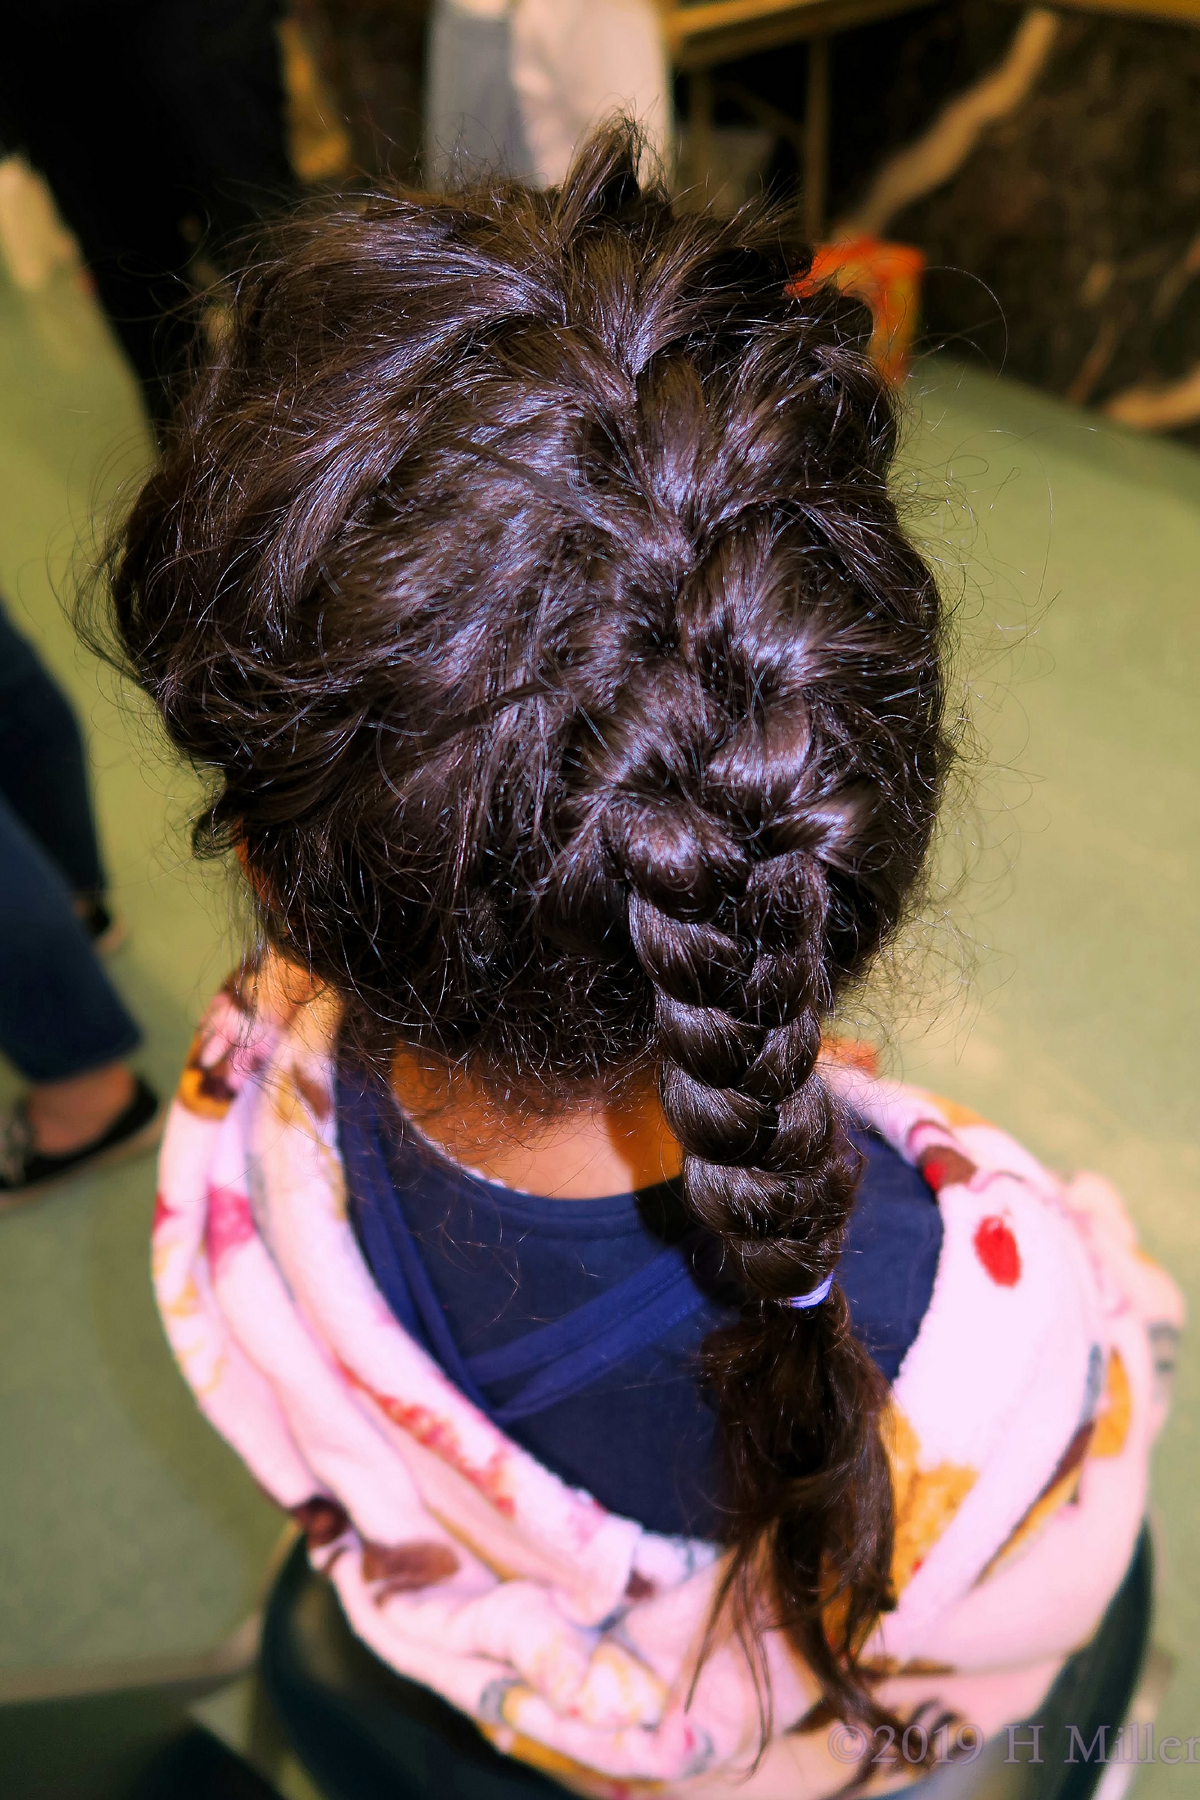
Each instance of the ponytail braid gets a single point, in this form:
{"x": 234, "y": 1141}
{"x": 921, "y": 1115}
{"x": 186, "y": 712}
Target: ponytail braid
{"x": 718, "y": 823}
{"x": 574, "y": 695}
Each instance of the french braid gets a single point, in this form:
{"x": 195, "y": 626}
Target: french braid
{"x": 717, "y": 804}
{"x": 525, "y": 571}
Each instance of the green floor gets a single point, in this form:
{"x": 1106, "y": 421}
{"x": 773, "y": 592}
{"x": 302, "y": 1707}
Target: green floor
{"x": 1055, "y": 991}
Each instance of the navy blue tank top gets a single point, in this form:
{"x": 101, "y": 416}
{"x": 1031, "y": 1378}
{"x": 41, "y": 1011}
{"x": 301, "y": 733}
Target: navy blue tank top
{"x": 576, "y": 1324}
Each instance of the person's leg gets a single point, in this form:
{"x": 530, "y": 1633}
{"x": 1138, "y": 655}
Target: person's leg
{"x": 70, "y": 99}
{"x": 472, "y": 118}
{"x": 43, "y": 764}
{"x": 159, "y": 125}
{"x": 60, "y": 1016}
{"x": 62, "y": 1024}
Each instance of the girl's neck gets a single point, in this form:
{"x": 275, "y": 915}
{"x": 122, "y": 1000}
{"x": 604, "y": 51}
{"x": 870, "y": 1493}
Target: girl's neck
{"x": 613, "y": 1146}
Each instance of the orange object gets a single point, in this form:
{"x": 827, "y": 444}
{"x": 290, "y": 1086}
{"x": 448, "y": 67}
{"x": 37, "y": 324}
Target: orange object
{"x": 888, "y": 278}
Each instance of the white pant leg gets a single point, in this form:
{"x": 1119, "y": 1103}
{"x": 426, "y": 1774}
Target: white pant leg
{"x": 473, "y": 119}
{"x": 575, "y": 62}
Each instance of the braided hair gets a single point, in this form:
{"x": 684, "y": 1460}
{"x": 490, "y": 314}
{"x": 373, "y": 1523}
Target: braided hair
{"x": 524, "y": 572}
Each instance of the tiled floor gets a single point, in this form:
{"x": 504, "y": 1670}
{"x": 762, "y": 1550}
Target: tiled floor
{"x": 1057, "y": 985}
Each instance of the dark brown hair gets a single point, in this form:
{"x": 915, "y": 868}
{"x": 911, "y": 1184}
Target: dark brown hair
{"x": 525, "y": 569}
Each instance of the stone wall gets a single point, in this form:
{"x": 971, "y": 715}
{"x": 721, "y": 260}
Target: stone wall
{"x": 1066, "y": 248}
{"x": 1065, "y": 244}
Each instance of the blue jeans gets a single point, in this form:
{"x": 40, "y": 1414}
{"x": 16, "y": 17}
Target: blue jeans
{"x": 59, "y": 1014}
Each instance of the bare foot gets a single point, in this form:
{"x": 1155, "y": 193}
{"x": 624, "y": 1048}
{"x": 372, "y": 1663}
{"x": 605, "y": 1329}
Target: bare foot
{"x": 66, "y": 1115}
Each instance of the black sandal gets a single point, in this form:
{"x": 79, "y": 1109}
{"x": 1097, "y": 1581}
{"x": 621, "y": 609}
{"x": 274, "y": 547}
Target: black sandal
{"x": 24, "y": 1168}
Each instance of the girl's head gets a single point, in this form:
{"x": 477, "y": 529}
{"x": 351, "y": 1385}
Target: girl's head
{"x": 524, "y": 567}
